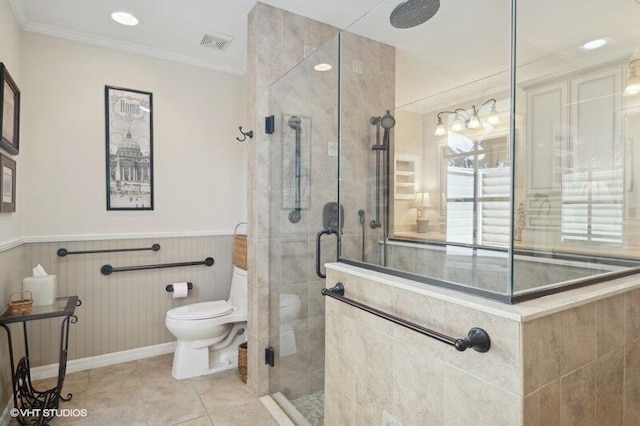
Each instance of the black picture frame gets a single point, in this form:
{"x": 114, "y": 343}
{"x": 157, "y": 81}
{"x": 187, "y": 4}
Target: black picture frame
{"x": 8, "y": 178}
{"x": 129, "y": 148}
{"x": 9, "y": 112}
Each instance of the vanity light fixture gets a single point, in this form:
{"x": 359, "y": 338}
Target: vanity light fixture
{"x": 633, "y": 80}
{"x": 464, "y": 119}
{"x": 124, "y": 18}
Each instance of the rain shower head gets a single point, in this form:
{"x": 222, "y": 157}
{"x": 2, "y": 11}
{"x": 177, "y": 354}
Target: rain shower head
{"x": 411, "y": 13}
{"x": 294, "y": 122}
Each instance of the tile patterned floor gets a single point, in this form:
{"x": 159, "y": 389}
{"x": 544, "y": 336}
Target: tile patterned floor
{"x": 311, "y": 407}
{"x": 144, "y": 393}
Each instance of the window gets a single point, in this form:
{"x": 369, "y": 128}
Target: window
{"x": 476, "y": 190}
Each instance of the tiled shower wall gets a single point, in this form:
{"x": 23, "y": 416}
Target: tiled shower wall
{"x": 284, "y": 253}
{"x": 577, "y": 366}
{"x": 124, "y": 310}
{"x": 367, "y": 85}
{"x": 276, "y": 43}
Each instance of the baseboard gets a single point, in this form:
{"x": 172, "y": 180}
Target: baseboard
{"x": 5, "y": 419}
{"x": 88, "y": 363}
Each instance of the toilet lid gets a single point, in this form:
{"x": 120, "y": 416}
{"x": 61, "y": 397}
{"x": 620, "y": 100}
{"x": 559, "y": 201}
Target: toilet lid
{"x": 203, "y": 310}
{"x": 288, "y": 300}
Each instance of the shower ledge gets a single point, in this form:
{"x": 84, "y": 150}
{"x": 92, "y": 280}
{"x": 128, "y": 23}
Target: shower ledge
{"x": 521, "y": 312}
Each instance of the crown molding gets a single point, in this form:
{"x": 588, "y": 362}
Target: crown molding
{"x": 52, "y": 31}
{"x": 19, "y": 13}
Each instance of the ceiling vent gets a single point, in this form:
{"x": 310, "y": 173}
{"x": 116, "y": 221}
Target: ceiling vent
{"x": 216, "y": 41}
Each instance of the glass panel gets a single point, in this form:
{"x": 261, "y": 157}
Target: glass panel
{"x": 425, "y": 156}
{"x": 576, "y": 138}
{"x": 303, "y": 166}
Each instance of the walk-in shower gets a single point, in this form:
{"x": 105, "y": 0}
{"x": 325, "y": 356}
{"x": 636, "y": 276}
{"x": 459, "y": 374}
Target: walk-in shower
{"x": 523, "y": 141}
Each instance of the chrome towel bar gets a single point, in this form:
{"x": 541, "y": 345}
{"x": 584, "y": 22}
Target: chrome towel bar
{"x": 477, "y": 338}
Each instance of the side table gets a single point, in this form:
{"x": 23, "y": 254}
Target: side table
{"x": 37, "y": 407}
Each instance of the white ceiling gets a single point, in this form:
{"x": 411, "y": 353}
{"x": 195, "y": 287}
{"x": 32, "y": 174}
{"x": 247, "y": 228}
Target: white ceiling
{"x": 171, "y": 29}
{"x": 466, "y": 40}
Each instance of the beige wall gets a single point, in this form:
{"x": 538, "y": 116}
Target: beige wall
{"x": 199, "y": 167}
{"x": 12, "y": 260}
{"x": 200, "y": 176}
{"x": 553, "y": 361}
{"x": 10, "y": 54}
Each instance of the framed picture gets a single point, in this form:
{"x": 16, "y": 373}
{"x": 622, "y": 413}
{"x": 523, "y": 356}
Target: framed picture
{"x": 9, "y": 112}
{"x": 7, "y": 184}
{"x": 129, "y": 134}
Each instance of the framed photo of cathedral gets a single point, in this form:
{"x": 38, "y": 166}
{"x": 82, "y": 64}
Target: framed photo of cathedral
{"x": 129, "y": 154}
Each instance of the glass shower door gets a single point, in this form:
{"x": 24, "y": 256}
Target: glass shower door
{"x": 303, "y": 173}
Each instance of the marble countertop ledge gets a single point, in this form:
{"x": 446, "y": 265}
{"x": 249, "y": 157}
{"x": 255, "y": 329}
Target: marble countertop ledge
{"x": 521, "y": 312}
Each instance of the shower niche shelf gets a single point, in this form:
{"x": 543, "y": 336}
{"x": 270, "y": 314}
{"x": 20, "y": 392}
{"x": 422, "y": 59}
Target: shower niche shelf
{"x": 405, "y": 176}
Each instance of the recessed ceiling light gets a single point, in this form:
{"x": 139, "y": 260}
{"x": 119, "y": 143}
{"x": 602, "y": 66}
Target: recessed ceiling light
{"x": 594, "y": 44}
{"x": 322, "y": 67}
{"x": 124, "y": 18}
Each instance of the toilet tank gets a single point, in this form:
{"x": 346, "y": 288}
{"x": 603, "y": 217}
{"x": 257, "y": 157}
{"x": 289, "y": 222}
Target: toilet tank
{"x": 238, "y": 293}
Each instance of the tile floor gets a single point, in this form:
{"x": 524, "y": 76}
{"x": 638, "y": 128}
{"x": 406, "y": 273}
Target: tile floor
{"x": 144, "y": 393}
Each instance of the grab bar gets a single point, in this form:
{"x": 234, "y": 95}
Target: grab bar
{"x": 477, "y": 338}
{"x": 62, "y": 252}
{"x": 108, "y": 269}
{"x": 294, "y": 215}
{"x": 326, "y": 231}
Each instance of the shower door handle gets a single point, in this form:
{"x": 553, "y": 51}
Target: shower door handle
{"x": 326, "y": 231}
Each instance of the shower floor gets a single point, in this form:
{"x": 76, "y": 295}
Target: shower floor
{"x": 311, "y": 407}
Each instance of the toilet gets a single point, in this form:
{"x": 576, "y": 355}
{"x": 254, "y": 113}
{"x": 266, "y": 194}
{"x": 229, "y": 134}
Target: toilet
{"x": 289, "y": 310}
{"x": 208, "y": 333}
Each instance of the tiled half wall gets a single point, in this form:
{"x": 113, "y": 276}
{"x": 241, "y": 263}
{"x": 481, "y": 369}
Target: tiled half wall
{"x": 579, "y": 366}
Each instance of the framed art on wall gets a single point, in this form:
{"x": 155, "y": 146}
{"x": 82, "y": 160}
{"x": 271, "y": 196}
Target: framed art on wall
{"x": 9, "y": 112}
{"x": 129, "y": 154}
{"x": 7, "y": 184}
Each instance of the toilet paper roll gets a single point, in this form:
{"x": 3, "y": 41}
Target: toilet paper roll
{"x": 180, "y": 290}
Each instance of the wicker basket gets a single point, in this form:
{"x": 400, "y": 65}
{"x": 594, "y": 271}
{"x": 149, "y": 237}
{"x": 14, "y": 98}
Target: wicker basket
{"x": 22, "y": 305}
{"x": 240, "y": 248}
{"x": 242, "y": 361}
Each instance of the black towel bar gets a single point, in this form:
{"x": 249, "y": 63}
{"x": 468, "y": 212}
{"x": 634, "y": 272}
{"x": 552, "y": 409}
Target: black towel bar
{"x": 62, "y": 252}
{"x": 108, "y": 269}
{"x": 477, "y": 338}
{"x": 169, "y": 287}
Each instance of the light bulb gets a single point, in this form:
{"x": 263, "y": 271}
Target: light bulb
{"x": 493, "y": 118}
{"x": 474, "y": 122}
{"x": 440, "y": 130}
{"x": 633, "y": 86}
{"x": 457, "y": 124}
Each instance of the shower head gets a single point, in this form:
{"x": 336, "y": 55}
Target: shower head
{"x": 388, "y": 121}
{"x": 294, "y": 122}
{"x": 411, "y": 13}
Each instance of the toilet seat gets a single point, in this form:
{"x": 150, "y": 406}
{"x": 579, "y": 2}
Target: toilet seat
{"x": 203, "y": 310}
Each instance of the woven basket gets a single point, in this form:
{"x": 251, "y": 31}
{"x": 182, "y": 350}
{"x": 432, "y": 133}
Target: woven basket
{"x": 22, "y": 305}
{"x": 242, "y": 361}
{"x": 240, "y": 248}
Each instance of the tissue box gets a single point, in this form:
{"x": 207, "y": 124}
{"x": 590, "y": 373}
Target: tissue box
{"x": 44, "y": 289}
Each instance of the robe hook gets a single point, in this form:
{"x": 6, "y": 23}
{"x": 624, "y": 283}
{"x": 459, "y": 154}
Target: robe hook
{"x": 244, "y": 135}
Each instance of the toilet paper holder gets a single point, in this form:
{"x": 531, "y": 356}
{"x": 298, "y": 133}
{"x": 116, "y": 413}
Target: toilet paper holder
{"x": 169, "y": 287}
